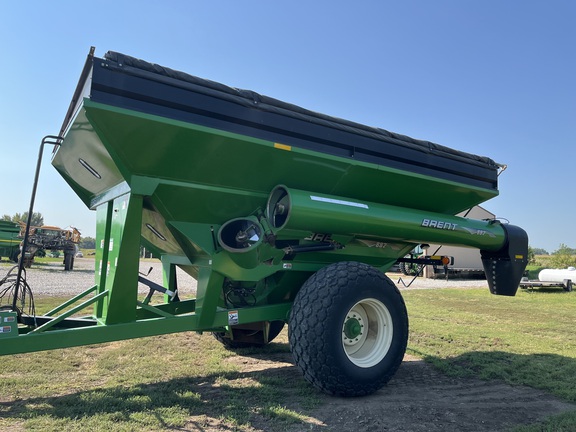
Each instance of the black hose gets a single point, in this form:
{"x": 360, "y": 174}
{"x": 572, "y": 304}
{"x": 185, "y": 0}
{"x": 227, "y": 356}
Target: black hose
{"x": 17, "y": 294}
{"x": 55, "y": 141}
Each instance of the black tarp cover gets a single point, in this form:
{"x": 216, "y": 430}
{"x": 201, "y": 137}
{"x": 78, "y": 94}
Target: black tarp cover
{"x": 255, "y": 100}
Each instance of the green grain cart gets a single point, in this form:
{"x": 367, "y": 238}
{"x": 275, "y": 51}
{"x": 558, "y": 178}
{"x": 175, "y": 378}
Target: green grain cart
{"x": 9, "y": 241}
{"x": 282, "y": 215}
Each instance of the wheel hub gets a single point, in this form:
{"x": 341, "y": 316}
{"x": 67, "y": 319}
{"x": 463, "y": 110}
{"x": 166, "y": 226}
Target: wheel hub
{"x": 367, "y": 332}
{"x": 353, "y": 328}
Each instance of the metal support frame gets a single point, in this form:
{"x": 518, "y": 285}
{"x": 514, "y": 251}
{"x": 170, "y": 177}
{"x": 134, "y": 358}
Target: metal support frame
{"x": 428, "y": 260}
{"x": 118, "y": 312}
{"x": 424, "y": 261}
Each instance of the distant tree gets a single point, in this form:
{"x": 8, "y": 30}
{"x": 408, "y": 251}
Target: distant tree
{"x": 540, "y": 251}
{"x": 6, "y": 218}
{"x": 88, "y": 243}
{"x": 531, "y": 255}
{"x": 563, "y": 257}
{"x": 564, "y": 250}
{"x": 37, "y": 218}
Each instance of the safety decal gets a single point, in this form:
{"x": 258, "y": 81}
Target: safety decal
{"x": 232, "y": 317}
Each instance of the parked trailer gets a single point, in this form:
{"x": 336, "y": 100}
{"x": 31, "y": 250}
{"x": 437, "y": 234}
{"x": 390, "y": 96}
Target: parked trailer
{"x": 550, "y": 278}
{"x": 282, "y": 215}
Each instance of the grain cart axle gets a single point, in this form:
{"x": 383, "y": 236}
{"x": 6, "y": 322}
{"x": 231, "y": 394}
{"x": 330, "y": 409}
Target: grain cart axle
{"x": 282, "y": 215}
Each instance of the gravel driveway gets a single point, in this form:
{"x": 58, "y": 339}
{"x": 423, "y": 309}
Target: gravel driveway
{"x": 52, "y": 280}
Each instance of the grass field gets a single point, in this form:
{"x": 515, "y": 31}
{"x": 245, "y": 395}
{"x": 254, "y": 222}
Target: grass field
{"x": 529, "y": 339}
{"x": 190, "y": 382}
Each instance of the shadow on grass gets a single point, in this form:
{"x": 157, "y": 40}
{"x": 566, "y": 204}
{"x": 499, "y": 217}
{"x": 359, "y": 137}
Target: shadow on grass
{"x": 53, "y": 268}
{"x": 278, "y": 398}
{"x": 269, "y": 399}
{"x": 552, "y": 373}
{"x": 546, "y": 290}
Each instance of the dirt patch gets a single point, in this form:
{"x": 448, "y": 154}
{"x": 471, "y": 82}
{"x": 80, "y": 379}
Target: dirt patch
{"x": 418, "y": 398}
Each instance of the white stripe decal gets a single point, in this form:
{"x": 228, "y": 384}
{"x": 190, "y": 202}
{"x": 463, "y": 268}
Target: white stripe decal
{"x": 335, "y": 201}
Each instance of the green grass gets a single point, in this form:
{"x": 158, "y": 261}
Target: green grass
{"x": 157, "y": 383}
{"x": 190, "y": 382}
{"x": 525, "y": 340}
{"x": 533, "y": 271}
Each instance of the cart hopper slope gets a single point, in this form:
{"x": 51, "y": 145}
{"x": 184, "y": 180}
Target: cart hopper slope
{"x": 283, "y": 215}
{"x": 135, "y": 119}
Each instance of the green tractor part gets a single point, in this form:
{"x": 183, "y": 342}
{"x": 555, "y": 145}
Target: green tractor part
{"x": 282, "y": 215}
{"x": 9, "y": 241}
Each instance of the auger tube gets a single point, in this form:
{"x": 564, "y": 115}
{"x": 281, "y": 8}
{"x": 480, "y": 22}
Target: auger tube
{"x": 504, "y": 248}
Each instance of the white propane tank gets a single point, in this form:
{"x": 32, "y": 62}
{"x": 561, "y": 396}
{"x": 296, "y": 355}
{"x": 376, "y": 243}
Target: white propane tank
{"x": 557, "y": 275}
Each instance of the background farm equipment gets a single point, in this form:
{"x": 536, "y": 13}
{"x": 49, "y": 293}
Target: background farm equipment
{"x": 413, "y": 263}
{"x": 50, "y": 238}
{"x": 9, "y": 241}
{"x": 282, "y": 215}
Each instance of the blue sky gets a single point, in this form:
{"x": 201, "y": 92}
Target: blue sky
{"x": 495, "y": 78}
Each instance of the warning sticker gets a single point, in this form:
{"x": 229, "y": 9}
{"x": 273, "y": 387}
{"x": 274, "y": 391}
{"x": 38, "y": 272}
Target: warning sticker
{"x": 9, "y": 319}
{"x": 5, "y": 329}
{"x": 232, "y": 317}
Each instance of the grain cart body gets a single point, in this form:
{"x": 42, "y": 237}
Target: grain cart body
{"x": 282, "y": 215}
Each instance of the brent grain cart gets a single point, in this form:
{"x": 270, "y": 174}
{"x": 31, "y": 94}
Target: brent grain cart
{"x": 282, "y": 215}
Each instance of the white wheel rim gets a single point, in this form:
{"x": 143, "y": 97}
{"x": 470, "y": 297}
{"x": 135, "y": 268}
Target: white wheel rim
{"x": 367, "y": 332}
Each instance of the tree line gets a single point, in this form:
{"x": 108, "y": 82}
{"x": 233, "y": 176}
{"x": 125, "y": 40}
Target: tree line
{"x": 563, "y": 257}
{"x": 37, "y": 218}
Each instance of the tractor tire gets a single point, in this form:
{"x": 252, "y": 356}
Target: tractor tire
{"x": 409, "y": 269}
{"x": 348, "y": 329}
{"x": 274, "y": 330}
{"x": 403, "y": 269}
{"x": 14, "y": 257}
{"x": 68, "y": 262}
